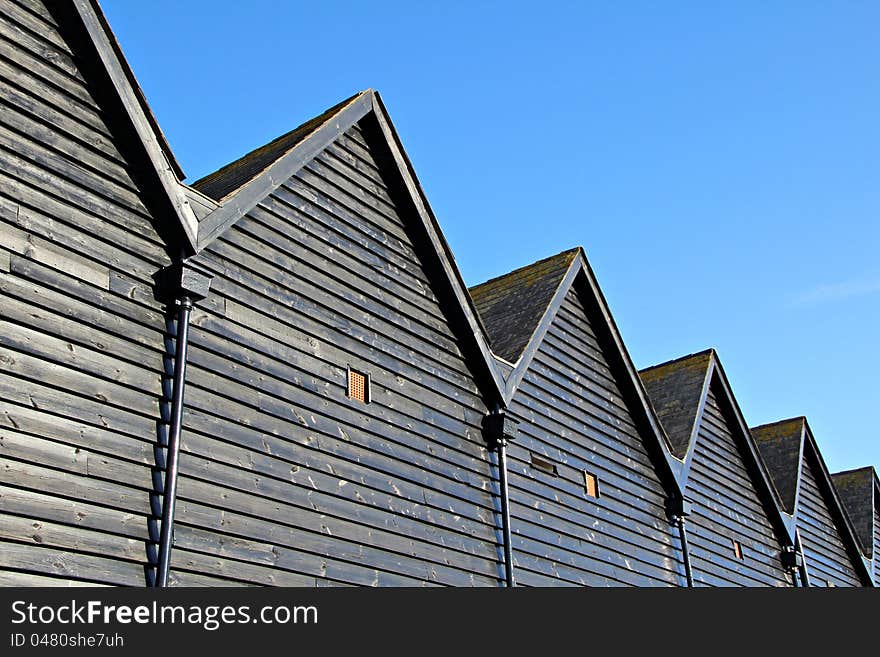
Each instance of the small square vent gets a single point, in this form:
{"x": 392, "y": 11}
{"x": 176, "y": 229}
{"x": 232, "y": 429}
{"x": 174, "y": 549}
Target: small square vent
{"x": 359, "y": 386}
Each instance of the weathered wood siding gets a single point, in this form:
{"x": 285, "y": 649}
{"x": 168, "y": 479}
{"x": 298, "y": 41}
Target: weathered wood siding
{"x": 573, "y": 415}
{"x": 284, "y": 479}
{"x": 876, "y": 555}
{"x": 826, "y": 556}
{"x": 81, "y": 338}
{"x": 727, "y": 508}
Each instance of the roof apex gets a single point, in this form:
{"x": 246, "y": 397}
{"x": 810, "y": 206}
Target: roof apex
{"x": 512, "y": 305}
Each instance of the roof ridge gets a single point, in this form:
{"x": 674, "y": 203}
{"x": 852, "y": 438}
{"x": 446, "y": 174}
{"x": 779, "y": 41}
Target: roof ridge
{"x": 223, "y": 182}
{"x": 705, "y": 352}
{"x": 573, "y": 251}
{"x": 676, "y": 390}
{"x": 865, "y": 468}
{"x": 798, "y": 418}
{"x": 512, "y": 306}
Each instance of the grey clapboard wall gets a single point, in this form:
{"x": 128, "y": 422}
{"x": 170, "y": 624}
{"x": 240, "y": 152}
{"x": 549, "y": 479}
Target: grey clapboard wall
{"x": 876, "y": 552}
{"x": 828, "y": 560}
{"x": 81, "y": 338}
{"x": 728, "y": 508}
{"x": 284, "y": 479}
{"x": 573, "y": 416}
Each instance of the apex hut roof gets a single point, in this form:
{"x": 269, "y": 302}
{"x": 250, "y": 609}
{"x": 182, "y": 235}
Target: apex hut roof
{"x": 856, "y": 491}
{"x": 780, "y": 444}
{"x": 675, "y": 388}
{"x": 231, "y": 177}
{"x": 511, "y": 306}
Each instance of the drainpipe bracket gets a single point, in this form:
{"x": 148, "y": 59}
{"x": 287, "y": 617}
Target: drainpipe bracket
{"x": 791, "y": 558}
{"x": 678, "y": 508}
{"x": 499, "y": 428}
{"x": 182, "y": 279}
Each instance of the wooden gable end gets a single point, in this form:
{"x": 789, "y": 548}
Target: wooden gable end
{"x": 574, "y": 417}
{"x": 876, "y": 553}
{"x": 828, "y": 560}
{"x": 82, "y": 340}
{"x": 285, "y": 478}
{"x": 733, "y": 542}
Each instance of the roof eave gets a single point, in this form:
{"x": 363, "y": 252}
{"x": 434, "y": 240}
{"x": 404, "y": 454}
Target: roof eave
{"x": 140, "y": 117}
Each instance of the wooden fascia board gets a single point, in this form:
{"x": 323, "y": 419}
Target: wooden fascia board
{"x": 673, "y": 465}
{"x": 630, "y": 376}
{"x": 438, "y": 242}
{"x": 685, "y": 472}
{"x": 800, "y": 475}
{"x": 162, "y": 165}
{"x": 783, "y": 520}
{"x": 534, "y": 343}
{"x": 238, "y": 204}
{"x": 837, "y": 509}
{"x": 580, "y": 266}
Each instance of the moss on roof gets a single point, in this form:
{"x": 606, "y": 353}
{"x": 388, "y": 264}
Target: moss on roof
{"x": 856, "y": 491}
{"x": 230, "y": 178}
{"x": 779, "y": 444}
{"x": 675, "y": 389}
{"x": 511, "y": 306}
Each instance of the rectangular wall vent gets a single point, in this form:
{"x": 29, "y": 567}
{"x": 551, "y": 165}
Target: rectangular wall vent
{"x": 544, "y": 465}
{"x": 591, "y": 484}
{"x": 359, "y": 386}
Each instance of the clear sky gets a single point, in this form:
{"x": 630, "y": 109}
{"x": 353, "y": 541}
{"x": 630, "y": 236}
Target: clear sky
{"x": 719, "y": 164}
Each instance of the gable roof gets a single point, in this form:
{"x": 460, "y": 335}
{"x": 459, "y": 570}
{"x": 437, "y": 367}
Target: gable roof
{"x": 107, "y": 56}
{"x": 500, "y": 297}
{"x": 781, "y": 436}
{"x": 858, "y": 490}
{"x": 511, "y": 306}
{"x": 781, "y": 446}
{"x": 677, "y": 389}
{"x": 241, "y": 185}
{"x": 231, "y": 177}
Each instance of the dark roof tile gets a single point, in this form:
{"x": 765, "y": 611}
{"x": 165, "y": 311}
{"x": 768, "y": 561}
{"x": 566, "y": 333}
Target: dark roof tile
{"x": 779, "y": 444}
{"x": 855, "y": 488}
{"x": 234, "y": 175}
{"x": 675, "y": 390}
{"x": 511, "y": 306}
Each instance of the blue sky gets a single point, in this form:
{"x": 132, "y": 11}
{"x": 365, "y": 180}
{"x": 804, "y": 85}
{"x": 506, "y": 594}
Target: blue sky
{"x": 719, "y": 164}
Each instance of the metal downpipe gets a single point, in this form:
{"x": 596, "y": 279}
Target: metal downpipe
{"x": 169, "y": 493}
{"x": 505, "y": 514}
{"x": 685, "y": 550}
{"x": 804, "y": 573}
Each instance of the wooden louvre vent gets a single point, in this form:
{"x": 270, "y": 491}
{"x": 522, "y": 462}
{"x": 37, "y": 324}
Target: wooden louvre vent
{"x": 358, "y": 386}
{"x": 738, "y": 550}
{"x": 591, "y": 484}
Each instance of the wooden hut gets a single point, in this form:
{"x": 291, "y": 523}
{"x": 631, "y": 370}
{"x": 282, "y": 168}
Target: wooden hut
{"x": 590, "y": 472}
{"x": 859, "y": 491}
{"x": 90, "y": 209}
{"x": 737, "y": 535}
{"x": 824, "y": 534}
{"x": 337, "y": 375}
{"x": 276, "y": 375}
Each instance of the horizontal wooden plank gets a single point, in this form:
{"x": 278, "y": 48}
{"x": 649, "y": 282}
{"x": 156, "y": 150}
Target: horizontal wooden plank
{"x": 12, "y": 49}
{"x": 63, "y": 222}
{"x": 415, "y": 509}
{"x": 277, "y": 522}
{"x": 259, "y": 341}
{"x": 69, "y": 565}
{"x": 36, "y": 248}
{"x": 27, "y": 82}
{"x": 76, "y": 513}
{"x": 37, "y": 478}
{"x": 14, "y": 578}
{"x": 312, "y": 212}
